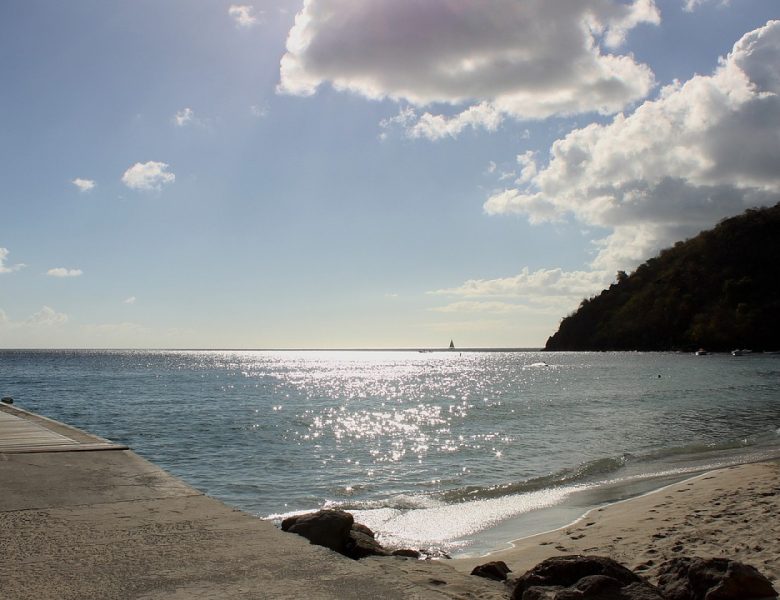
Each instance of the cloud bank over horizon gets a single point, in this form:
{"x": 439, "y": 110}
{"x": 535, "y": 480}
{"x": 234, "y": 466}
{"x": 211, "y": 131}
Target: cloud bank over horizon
{"x": 661, "y": 174}
{"x": 671, "y": 168}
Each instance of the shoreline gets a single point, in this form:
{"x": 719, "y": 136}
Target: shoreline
{"x": 92, "y": 524}
{"x": 732, "y": 512}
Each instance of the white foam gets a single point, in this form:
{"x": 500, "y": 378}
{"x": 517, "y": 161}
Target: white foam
{"x": 446, "y": 525}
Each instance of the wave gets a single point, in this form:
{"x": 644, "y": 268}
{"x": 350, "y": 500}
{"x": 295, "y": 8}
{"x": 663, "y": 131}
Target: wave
{"x": 665, "y": 462}
{"x": 656, "y": 463}
{"x": 397, "y": 502}
{"x": 445, "y": 527}
{"x": 451, "y": 521}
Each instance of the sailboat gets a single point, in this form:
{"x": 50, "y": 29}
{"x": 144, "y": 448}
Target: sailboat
{"x": 452, "y": 345}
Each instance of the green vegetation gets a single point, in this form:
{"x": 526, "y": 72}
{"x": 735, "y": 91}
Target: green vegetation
{"x": 719, "y": 290}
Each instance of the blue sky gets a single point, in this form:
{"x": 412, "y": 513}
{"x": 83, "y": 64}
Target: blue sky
{"x": 385, "y": 173}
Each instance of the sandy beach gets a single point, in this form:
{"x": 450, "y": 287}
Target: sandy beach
{"x": 732, "y": 512}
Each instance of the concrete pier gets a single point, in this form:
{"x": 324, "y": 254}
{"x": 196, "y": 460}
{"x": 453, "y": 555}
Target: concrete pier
{"x": 82, "y": 518}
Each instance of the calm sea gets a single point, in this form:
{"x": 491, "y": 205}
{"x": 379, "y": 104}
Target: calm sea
{"x": 450, "y": 451}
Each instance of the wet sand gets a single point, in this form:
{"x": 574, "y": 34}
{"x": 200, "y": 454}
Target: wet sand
{"x": 732, "y": 512}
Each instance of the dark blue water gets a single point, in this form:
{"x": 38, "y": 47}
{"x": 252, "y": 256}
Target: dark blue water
{"x": 429, "y": 448}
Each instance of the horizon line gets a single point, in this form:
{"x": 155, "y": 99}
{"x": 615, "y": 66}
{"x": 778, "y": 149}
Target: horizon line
{"x": 350, "y": 349}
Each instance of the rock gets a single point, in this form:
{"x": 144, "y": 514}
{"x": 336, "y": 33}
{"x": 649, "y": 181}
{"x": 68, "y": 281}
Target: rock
{"x": 406, "y": 552}
{"x": 329, "y": 528}
{"x": 496, "y": 570}
{"x": 568, "y": 570}
{"x": 593, "y": 585}
{"x": 360, "y": 544}
{"x": 7, "y": 400}
{"x": 541, "y": 593}
{"x": 363, "y": 529}
{"x": 697, "y": 578}
{"x": 582, "y": 578}
{"x": 337, "y": 530}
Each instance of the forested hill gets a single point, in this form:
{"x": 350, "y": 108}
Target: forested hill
{"x": 719, "y": 290}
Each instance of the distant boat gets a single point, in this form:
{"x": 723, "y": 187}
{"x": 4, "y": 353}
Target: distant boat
{"x": 452, "y": 345}
{"x": 701, "y": 352}
{"x": 737, "y": 352}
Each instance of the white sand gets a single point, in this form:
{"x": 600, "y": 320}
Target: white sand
{"x": 732, "y": 512}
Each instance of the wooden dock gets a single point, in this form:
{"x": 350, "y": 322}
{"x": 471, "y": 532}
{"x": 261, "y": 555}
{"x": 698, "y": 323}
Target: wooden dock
{"x": 24, "y": 432}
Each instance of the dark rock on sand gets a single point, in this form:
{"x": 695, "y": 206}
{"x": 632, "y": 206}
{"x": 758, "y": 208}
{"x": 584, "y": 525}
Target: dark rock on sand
{"x": 7, "y": 400}
{"x": 496, "y": 570}
{"x": 406, "y": 552}
{"x": 361, "y": 543}
{"x": 712, "y": 579}
{"x": 337, "y": 530}
{"x": 329, "y": 528}
{"x": 582, "y": 578}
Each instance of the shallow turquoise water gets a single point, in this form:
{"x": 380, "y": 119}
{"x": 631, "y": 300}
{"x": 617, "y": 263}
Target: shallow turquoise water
{"x": 431, "y": 449}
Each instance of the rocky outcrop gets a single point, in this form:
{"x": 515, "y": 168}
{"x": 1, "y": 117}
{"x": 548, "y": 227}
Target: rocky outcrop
{"x": 712, "y": 579}
{"x": 406, "y": 553}
{"x": 496, "y": 570}
{"x": 329, "y": 528}
{"x": 582, "y": 578}
{"x": 600, "y": 578}
{"x": 337, "y": 530}
{"x": 361, "y": 543}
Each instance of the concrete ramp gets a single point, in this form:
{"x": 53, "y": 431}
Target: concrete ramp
{"x": 79, "y": 523}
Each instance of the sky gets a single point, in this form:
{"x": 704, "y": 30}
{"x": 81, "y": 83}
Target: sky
{"x": 363, "y": 174}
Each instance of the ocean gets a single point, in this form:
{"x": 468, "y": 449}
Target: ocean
{"x": 455, "y": 452}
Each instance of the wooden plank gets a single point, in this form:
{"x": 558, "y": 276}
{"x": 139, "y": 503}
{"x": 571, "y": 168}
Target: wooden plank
{"x": 16, "y": 433}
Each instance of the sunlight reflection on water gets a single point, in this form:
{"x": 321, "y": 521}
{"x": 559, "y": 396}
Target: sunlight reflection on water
{"x": 273, "y": 432}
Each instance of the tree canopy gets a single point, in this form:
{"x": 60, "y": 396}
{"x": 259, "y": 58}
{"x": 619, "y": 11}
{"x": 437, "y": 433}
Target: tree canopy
{"x": 719, "y": 290}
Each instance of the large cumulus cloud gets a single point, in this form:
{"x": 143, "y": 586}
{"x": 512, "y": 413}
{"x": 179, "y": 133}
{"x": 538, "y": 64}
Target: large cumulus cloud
{"x": 701, "y": 151}
{"x": 529, "y": 59}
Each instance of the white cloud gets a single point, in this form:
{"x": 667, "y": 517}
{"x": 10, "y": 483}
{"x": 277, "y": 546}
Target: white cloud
{"x": 259, "y": 110}
{"x": 130, "y": 300}
{"x": 184, "y": 117}
{"x": 530, "y": 59}
{"x": 63, "y": 272}
{"x": 703, "y": 150}
{"x": 151, "y": 175}
{"x": 49, "y": 328}
{"x": 537, "y": 299}
{"x": 434, "y": 127}
{"x": 470, "y": 306}
{"x": 528, "y": 168}
{"x": 451, "y": 328}
{"x": 243, "y": 15}
{"x": 529, "y": 285}
{"x": 46, "y": 317}
{"x": 8, "y": 269}
{"x": 691, "y": 5}
{"x": 84, "y": 185}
